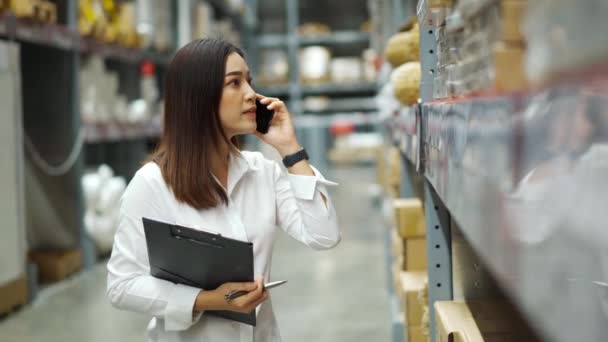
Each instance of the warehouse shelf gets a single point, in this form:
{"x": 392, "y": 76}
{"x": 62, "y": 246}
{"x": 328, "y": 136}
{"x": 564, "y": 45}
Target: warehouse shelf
{"x": 223, "y": 9}
{"x": 114, "y": 132}
{"x": 335, "y": 38}
{"x": 63, "y": 38}
{"x": 404, "y": 130}
{"x": 129, "y": 55}
{"x": 271, "y": 40}
{"x": 50, "y": 35}
{"x": 313, "y": 119}
{"x": 528, "y": 195}
{"x": 358, "y": 104}
{"x": 280, "y": 91}
{"x": 340, "y": 89}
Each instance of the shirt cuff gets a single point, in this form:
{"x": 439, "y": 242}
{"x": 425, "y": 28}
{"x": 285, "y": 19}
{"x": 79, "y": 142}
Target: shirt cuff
{"x": 178, "y": 314}
{"x": 304, "y": 187}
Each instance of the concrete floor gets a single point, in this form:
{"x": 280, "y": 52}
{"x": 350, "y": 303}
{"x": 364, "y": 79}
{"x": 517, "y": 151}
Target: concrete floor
{"x": 337, "y": 295}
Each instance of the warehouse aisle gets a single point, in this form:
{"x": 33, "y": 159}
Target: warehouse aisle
{"x": 337, "y": 295}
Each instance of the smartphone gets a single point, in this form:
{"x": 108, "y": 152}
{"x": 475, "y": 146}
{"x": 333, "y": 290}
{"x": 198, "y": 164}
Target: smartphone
{"x": 263, "y": 116}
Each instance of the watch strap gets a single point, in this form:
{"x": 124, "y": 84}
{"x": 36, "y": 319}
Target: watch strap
{"x": 292, "y": 159}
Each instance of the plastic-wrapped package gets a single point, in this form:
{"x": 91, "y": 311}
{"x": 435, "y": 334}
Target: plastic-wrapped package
{"x": 315, "y": 64}
{"x": 369, "y": 67}
{"x": 346, "y": 70}
{"x": 434, "y": 12}
{"x": 406, "y": 83}
{"x": 403, "y": 47}
{"x": 163, "y": 37}
{"x": 101, "y": 228}
{"x": 274, "y": 67}
{"x": 110, "y": 194}
{"x": 386, "y": 102}
{"x": 203, "y": 21}
{"x": 102, "y": 192}
{"x": 565, "y": 35}
{"x": 313, "y": 28}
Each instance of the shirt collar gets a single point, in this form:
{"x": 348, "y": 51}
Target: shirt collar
{"x": 238, "y": 166}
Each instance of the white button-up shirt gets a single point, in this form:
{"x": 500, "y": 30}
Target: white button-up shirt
{"x": 262, "y": 197}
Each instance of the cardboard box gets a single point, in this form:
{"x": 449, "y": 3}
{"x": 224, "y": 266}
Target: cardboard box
{"x": 394, "y": 169}
{"x": 56, "y": 265}
{"x": 479, "y": 321}
{"x": 414, "y": 257}
{"x": 411, "y": 284}
{"x": 396, "y": 244}
{"x": 12, "y": 199}
{"x": 513, "y": 12}
{"x": 416, "y": 334}
{"x": 13, "y": 294}
{"x": 396, "y": 269}
{"x": 509, "y": 67}
{"x": 409, "y": 217}
{"x": 409, "y": 253}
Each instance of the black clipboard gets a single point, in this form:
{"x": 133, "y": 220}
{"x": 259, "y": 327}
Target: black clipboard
{"x": 199, "y": 259}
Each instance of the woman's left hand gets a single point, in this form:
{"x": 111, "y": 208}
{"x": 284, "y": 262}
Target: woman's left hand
{"x": 281, "y": 135}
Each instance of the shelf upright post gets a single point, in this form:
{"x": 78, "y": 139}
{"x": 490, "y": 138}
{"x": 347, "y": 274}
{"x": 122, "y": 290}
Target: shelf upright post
{"x": 89, "y": 251}
{"x": 438, "y": 234}
{"x": 250, "y": 42}
{"x": 293, "y": 45}
{"x": 398, "y": 13}
{"x": 406, "y": 188}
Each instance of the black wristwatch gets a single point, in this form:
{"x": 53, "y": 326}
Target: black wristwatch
{"x": 292, "y": 159}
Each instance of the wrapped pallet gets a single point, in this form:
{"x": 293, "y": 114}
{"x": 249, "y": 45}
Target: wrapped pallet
{"x": 13, "y": 283}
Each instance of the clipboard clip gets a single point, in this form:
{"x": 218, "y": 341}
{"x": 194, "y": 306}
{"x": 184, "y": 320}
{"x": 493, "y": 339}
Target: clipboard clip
{"x": 208, "y": 238}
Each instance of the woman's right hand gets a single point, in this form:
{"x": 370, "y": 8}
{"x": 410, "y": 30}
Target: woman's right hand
{"x": 214, "y": 300}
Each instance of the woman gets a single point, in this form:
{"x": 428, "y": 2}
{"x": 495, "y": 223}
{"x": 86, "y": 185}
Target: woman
{"x": 198, "y": 178}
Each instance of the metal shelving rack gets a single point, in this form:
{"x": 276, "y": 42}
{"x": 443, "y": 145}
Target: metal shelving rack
{"x": 292, "y": 42}
{"x": 536, "y": 219}
{"x": 51, "y": 55}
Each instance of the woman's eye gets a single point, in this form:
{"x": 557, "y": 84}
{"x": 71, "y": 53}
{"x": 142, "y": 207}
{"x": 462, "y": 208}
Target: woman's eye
{"x": 235, "y": 83}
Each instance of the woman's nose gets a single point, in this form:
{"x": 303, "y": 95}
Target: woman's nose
{"x": 249, "y": 92}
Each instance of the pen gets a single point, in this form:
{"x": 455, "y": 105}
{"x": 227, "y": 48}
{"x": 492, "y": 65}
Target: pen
{"x": 236, "y": 294}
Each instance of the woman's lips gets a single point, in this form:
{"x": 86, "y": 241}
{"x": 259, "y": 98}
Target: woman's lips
{"x": 250, "y": 113}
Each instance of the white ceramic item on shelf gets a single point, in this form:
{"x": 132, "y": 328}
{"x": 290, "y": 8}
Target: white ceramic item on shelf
{"x": 110, "y": 194}
{"x": 138, "y": 111}
{"x": 314, "y": 66}
{"x": 274, "y": 66}
{"x": 121, "y": 109}
{"x": 90, "y": 187}
{"x": 346, "y": 70}
{"x": 101, "y": 228}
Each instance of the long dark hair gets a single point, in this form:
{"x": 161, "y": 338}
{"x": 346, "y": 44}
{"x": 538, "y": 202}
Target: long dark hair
{"x": 192, "y": 133}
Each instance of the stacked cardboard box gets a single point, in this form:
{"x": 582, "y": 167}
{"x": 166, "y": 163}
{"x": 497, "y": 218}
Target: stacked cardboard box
{"x": 56, "y": 265}
{"x": 388, "y": 170}
{"x": 409, "y": 269}
{"x": 480, "y": 321}
{"x": 13, "y": 245}
{"x": 509, "y": 53}
{"x": 481, "y": 48}
{"x": 412, "y": 285}
{"x": 13, "y": 294}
